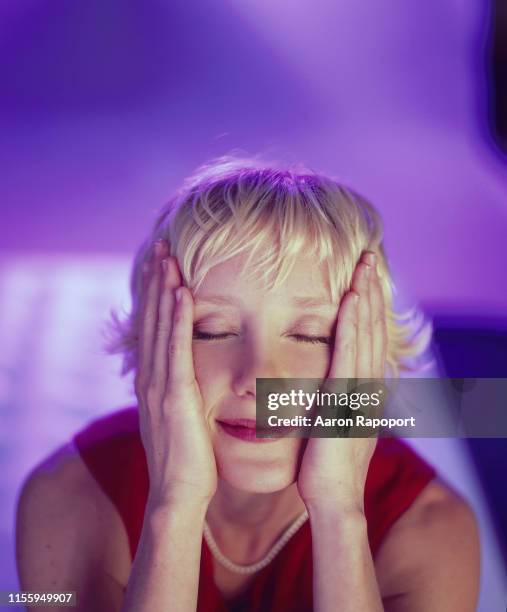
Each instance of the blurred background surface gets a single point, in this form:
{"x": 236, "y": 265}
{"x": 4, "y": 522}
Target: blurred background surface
{"x": 106, "y": 107}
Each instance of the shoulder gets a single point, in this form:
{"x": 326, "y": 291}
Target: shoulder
{"x": 112, "y": 450}
{"x": 60, "y": 481}
{"x": 74, "y": 474}
{"x": 397, "y": 475}
{"x": 61, "y": 509}
{"x": 431, "y": 553}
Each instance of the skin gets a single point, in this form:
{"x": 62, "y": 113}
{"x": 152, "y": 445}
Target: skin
{"x": 251, "y": 492}
{"x": 263, "y": 343}
{"x": 428, "y": 560}
{"x": 217, "y": 376}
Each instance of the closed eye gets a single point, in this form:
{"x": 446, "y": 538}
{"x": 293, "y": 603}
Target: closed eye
{"x": 200, "y": 335}
{"x": 312, "y": 339}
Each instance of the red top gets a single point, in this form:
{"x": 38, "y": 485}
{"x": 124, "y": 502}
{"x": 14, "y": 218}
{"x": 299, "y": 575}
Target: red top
{"x": 112, "y": 449}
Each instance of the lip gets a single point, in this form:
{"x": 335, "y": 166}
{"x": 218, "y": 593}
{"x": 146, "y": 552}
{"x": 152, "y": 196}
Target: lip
{"x": 242, "y": 429}
{"x": 245, "y": 429}
{"x": 249, "y": 423}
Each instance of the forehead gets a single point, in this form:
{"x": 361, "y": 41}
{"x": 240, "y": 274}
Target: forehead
{"x": 307, "y": 278}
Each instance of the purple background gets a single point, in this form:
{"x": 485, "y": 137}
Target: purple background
{"x": 106, "y": 106}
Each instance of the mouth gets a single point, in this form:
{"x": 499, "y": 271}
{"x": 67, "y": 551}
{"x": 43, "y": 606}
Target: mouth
{"x": 246, "y": 430}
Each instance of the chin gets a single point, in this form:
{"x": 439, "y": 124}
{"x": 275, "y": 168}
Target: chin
{"x": 261, "y": 474}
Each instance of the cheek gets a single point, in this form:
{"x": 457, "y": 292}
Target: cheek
{"x": 213, "y": 364}
{"x": 211, "y": 373}
{"x": 308, "y": 361}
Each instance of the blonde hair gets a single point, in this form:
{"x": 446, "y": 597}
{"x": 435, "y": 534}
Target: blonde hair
{"x": 235, "y": 205}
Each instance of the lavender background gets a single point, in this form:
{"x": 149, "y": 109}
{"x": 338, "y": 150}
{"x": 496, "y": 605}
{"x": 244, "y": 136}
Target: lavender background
{"x": 106, "y": 106}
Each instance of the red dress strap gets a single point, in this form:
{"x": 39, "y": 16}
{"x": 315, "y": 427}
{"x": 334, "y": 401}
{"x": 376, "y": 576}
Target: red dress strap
{"x": 111, "y": 448}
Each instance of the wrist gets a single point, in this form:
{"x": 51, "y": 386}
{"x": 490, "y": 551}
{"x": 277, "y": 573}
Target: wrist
{"x": 186, "y": 522}
{"x": 336, "y": 510}
{"x": 349, "y": 528}
{"x": 178, "y": 497}
{"x": 160, "y": 509}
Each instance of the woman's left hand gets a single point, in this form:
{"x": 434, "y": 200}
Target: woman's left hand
{"x": 333, "y": 470}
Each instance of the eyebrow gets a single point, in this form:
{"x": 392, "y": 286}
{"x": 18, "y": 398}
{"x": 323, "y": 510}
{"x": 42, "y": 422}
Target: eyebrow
{"x": 299, "y": 301}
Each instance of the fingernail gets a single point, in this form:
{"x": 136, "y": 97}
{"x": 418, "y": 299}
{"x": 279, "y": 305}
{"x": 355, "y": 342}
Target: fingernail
{"x": 159, "y": 246}
{"x": 178, "y": 295}
{"x": 164, "y": 265}
{"x": 371, "y": 258}
{"x": 368, "y": 270}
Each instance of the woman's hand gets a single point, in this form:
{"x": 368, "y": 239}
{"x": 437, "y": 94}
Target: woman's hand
{"x": 174, "y": 431}
{"x": 333, "y": 470}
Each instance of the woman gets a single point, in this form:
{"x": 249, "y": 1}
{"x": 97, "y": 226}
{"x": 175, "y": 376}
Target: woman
{"x": 250, "y": 272}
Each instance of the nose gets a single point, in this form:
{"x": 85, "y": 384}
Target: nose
{"x": 256, "y": 362}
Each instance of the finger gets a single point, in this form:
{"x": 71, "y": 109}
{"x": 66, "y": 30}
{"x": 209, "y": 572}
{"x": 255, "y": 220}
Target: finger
{"x": 360, "y": 284}
{"x": 181, "y": 365}
{"x": 379, "y": 331}
{"x": 343, "y": 361}
{"x": 149, "y": 311}
{"x": 171, "y": 279}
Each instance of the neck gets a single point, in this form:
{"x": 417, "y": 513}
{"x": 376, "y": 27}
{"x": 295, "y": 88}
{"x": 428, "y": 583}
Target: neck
{"x": 244, "y": 510}
{"x": 245, "y": 525}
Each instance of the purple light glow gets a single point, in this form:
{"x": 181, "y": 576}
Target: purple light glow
{"x": 106, "y": 106}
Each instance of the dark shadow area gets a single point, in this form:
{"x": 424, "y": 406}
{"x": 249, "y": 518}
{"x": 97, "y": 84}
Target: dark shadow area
{"x": 473, "y": 347}
{"x": 498, "y": 72}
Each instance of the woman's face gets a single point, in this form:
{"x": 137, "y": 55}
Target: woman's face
{"x": 261, "y": 336}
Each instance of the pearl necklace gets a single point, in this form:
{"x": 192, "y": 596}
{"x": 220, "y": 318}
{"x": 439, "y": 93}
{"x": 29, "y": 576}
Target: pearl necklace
{"x": 253, "y": 567}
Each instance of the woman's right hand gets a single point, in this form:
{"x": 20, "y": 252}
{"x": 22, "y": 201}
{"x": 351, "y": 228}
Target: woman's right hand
{"x": 174, "y": 432}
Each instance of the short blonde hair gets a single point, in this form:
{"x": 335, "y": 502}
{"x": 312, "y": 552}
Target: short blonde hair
{"x": 234, "y": 205}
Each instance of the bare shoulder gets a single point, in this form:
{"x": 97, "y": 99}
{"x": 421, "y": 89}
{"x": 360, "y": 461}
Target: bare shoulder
{"x": 63, "y": 473}
{"x": 430, "y": 557}
{"x": 68, "y": 533}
